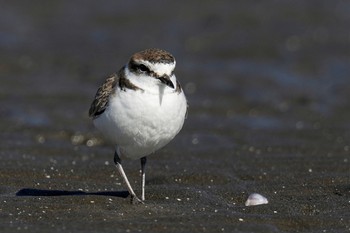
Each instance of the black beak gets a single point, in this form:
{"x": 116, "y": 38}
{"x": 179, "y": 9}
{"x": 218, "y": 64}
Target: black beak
{"x": 166, "y": 80}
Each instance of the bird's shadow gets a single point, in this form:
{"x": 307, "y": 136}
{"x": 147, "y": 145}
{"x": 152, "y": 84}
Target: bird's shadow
{"x": 50, "y": 193}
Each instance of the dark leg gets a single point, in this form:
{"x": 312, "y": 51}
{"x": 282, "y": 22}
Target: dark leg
{"x": 134, "y": 198}
{"x": 143, "y": 177}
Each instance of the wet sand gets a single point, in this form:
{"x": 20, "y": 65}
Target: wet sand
{"x": 268, "y": 91}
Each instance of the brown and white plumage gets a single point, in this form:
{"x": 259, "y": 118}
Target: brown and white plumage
{"x": 141, "y": 108}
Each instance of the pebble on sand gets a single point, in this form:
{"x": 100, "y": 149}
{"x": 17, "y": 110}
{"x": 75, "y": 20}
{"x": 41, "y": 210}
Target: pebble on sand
{"x": 256, "y": 199}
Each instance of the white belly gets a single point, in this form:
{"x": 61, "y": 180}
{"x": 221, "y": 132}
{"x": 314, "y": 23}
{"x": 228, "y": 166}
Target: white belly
{"x": 140, "y": 123}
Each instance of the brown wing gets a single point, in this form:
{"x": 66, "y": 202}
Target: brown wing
{"x": 100, "y": 102}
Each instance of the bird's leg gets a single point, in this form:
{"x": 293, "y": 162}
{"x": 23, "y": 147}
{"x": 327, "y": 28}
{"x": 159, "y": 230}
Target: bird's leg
{"x": 143, "y": 177}
{"x": 117, "y": 161}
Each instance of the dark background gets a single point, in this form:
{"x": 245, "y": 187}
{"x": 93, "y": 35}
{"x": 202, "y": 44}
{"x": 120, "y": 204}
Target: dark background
{"x": 268, "y": 88}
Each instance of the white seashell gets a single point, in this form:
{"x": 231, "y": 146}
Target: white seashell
{"x": 256, "y": 199}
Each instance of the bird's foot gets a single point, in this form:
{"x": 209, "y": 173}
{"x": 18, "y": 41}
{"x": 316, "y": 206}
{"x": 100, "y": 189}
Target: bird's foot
{"x": 135, "y": 200}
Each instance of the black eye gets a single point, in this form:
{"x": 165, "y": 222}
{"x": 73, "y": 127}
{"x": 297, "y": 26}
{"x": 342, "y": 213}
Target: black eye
{"x": 143, "y": 68}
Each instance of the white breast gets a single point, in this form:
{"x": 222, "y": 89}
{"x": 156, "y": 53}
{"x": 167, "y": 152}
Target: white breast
{"x": 139, "y": 122}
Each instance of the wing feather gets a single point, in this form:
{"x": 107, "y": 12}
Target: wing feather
{"x": 102, "y": 96}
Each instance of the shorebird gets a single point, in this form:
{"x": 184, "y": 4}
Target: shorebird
{"x": 140, "y": 109}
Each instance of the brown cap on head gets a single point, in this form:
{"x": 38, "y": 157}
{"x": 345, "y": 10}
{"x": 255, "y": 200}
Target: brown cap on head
{"x": 154, "y": 56}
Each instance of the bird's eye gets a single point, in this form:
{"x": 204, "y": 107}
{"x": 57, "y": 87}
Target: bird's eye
{"x": 143, "y": 68}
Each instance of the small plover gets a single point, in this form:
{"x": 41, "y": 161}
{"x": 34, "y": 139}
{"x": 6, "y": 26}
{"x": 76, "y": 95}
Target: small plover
{"x": 140, "y": 109}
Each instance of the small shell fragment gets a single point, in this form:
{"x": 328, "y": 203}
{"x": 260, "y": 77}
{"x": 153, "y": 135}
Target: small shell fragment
{"x": 256, "y": 199}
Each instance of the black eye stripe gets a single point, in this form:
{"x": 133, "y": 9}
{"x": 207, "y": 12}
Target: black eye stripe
{"x": 138, "y": 68}
{"x": 143, "y": 68}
